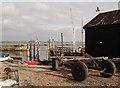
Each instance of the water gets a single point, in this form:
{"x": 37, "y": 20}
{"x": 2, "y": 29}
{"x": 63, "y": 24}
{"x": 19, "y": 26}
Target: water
{"x": 43, "y": 53}
{"x": 23, "y": 54}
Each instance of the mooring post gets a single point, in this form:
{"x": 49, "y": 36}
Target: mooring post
{"x": 34, "y": 52}
{"x": 28, "y": 49}
{"x": 30, "y": 52}
{"x": 49, "y": 49}
{"x": 53, "y": 43}
{"x": 54, "y": 64}
{"x": 38, "y": 51}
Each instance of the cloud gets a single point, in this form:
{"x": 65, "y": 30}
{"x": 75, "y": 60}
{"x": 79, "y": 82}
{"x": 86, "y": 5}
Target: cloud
{"x": 12, "y": 25}
{"x": 0, "y": 22}
{"x": 41, "y": 6}
{"x": 7, "y": 21}
{"x": 9, "y": 9}
{"x": 60, "y": 15}
{"x": 23, "y": 21}
{"x": 119, "y": 5}
{"x": 7, "y": 24}
{"x": 26, "y": 18}
{"x": 0, "y": 30}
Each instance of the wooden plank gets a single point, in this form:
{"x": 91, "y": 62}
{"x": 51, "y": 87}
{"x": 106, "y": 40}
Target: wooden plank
{"x": 75, "y": 58}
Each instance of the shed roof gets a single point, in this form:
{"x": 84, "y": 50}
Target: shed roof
{"x": 106, "y": 18}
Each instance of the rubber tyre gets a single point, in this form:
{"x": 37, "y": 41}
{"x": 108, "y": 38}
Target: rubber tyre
{"x": 79, "y": 71}
{"x": 108, "y": 68}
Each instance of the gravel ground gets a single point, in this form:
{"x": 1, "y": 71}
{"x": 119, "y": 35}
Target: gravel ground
{"x": 41, "y": 75}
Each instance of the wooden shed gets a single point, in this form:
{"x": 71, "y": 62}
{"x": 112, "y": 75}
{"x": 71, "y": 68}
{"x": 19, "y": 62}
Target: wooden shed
{"x": 102, "y": 35}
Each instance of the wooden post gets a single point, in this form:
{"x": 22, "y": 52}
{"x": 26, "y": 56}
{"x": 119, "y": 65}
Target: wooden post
{"x": 30, "y": 50}
{"x": 54, "y": 63}
{"x": 50, "y": 43}
{"x": 53, "y": 43}
{"x": 38, "y": 54}
{"x": 38, "y": 51}
{"x": 34, "y": 52}
{"x": 28, "y": 53}
{"x": 49, "y": 48}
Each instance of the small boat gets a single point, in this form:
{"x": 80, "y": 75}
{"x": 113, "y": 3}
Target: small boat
{"x": 4, "y": 57}
{"x": 8, "y": 83}
{"x": 32, "y": 62}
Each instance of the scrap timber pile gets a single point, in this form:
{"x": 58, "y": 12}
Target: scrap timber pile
{"x": 41, "y": 75}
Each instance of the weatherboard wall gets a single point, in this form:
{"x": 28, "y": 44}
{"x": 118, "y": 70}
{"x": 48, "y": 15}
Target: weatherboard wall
{"x": 103, "y": 40}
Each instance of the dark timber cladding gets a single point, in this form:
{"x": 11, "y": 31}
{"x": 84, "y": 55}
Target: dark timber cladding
{"x": 102, "y": 35}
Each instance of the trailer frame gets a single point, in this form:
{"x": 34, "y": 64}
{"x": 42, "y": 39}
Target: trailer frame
{"x": 79, "y": 65}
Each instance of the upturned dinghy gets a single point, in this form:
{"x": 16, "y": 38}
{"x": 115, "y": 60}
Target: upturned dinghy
{"x": 32, "y": 62}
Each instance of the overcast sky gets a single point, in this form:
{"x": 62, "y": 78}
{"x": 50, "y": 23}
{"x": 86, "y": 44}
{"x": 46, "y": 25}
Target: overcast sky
{"x": 23, "y": 21}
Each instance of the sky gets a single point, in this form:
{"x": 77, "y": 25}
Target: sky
{"x": 24, "y": 21}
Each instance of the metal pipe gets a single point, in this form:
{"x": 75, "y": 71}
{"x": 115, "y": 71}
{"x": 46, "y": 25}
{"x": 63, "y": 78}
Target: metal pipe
{"x": 62, "y": 43}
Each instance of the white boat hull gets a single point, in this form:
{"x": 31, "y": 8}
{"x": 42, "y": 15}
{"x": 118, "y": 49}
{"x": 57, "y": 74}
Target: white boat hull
{"x": 4, "y": 58}
{"x": 8, "y": 82}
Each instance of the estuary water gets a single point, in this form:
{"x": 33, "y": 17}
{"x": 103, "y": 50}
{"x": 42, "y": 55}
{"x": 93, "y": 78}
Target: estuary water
{"x": 43, "y": 53}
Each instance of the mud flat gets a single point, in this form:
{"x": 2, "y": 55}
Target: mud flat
{"x": 41, "y": 75}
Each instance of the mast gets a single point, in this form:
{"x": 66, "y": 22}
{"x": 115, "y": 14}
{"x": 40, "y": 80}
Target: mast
{"x": 73, "y": 32}
{"x": 62, "y": 43}
{"x": 82, "y": 33}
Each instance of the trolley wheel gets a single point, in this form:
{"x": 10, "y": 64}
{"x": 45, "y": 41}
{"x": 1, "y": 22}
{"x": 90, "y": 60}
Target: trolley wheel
{"x": 108, "y": 68}
{"x": 79, "y": 71}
